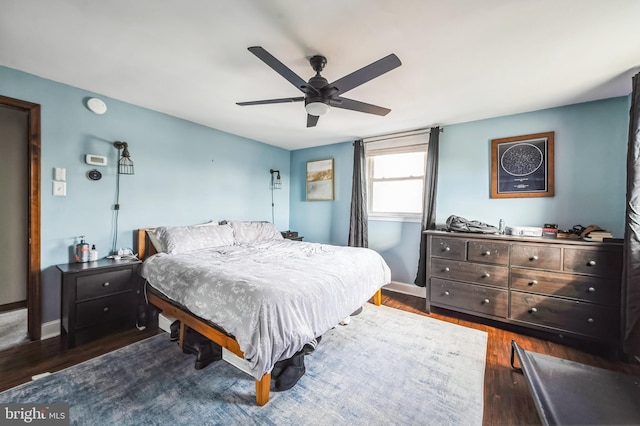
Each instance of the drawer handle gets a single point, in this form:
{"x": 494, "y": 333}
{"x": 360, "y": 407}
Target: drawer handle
{"x": 590, "y": 320}
{"x": 446, "y": 269}
{"x": 486, "y": 301}
{"x": 447, "y": 249}
{"x": 105, "y": 309}
{"x": 591, "y": 290}
{"x": 533, "y": 310}
{"x": 534, "y": 257}
{"x": 446, "y": 293}
{"x": 487, "y": 253}
{"x": 486, "y": 275}
{"x": 534, "y": 282}
{"x": 592, "y": 263}
{"x": 105, "y": 284}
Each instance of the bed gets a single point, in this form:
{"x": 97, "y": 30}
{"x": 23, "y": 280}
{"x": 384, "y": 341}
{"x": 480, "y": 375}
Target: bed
{"x": 256, "y": 294}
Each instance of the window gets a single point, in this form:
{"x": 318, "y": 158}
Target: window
{"x": 395, "y": 176}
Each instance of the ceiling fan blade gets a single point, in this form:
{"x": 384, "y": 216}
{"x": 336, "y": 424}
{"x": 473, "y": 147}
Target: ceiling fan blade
{"x": 345, "y": 103}
{"x": 281, "y": 68}
{"x": 312, "y": 120}
{"x": 367, "y": 73}
{"x": 271, "y": 101}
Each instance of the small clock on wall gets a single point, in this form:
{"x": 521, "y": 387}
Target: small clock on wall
{"x": 94, "y": 174}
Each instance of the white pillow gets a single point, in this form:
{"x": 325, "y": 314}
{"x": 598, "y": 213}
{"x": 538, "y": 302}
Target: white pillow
{"x": 158, "y": 244}
{"x": 184, "y": 239}
{"x": 254, "y": 232}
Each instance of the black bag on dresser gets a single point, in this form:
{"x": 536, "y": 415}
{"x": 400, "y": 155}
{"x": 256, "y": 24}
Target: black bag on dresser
{"x": 460, "y": 224}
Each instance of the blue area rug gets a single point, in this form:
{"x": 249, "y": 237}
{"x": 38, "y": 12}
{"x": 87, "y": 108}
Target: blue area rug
{"x": 386, "y": 367}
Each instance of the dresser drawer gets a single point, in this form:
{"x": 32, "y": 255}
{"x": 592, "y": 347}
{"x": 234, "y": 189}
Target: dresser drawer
{"x": 536, "y": 256}
{"x": 566, "y": 315}
{"x": 104, "y": 309}
{"x": 448, "y": 248}
{"x": 102, "y": 284}
{"x": 470, "y": 272}
{"x": 470, "y": 297}
{"x": 488, "y": 252}
{"x": 602, "y": 263}
{"x": 589, "y": 289}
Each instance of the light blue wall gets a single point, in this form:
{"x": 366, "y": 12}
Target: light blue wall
{"x": 590, "y": 168}
{"x": 185, "y": 173}
{"x": 590, "y": 176}
{"x": 328, "y": 221}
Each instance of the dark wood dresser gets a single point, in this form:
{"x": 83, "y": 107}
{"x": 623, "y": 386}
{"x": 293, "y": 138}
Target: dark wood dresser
{"x": 565, "y": 287}
{"x": 98, "y": 298}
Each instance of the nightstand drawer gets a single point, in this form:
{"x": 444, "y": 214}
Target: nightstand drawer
{"x": 103, "y": 284}
{"x": 564, "y": 315}
{"x": 448, "y": 248}
{"x": 105, "y": 309}
{"x": 470, "y": 272}
{"x": 475, "y": 298}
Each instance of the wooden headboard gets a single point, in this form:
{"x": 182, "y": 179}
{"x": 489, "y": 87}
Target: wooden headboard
{"x": 145, "y": 246}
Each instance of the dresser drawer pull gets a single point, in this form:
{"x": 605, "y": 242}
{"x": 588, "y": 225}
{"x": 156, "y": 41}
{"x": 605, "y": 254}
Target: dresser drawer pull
{"x": 446, "y": 293}
{"x": 486, "y": 275}
{"x": 534, "y": 282}
{"x": 534, "y": 257}
{"x": 533, "y": 310}
{"x": 105, "y": 284}
{"x": 447, "y": 249}
{"x": 446, "y": 269}
{"x": 487, "y": 253}
{"x": 590, "y": 320}
{"x": 105, "y": 309}
{"x": 486, "y": 301}
{"x": 591, "y": 290}
{"x": 592, "y": 263}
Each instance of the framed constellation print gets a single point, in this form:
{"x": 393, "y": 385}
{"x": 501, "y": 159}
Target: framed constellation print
{"x": 522, "y": 166}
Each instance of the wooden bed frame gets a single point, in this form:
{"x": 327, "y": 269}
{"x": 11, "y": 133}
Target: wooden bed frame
{"x": 188, "y": 320}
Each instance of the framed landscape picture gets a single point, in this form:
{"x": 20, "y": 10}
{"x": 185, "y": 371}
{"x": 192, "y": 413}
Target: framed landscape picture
{"x": 522, "y": 166}
{"x": 320, "y": 180}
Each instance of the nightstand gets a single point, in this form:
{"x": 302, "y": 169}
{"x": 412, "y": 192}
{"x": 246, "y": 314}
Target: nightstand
{"x": 291, "y": 235}
{"x": 99, "y": 298}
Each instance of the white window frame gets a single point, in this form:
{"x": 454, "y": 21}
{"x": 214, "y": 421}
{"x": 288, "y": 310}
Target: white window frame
{"x": 402, "y": 143}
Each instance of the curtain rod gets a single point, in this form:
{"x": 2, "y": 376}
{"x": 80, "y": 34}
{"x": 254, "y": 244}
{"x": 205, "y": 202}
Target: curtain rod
{"x": 400, "y": 134}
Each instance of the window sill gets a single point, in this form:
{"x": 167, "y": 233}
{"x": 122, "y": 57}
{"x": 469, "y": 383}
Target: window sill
{"x": 392, "y": 218}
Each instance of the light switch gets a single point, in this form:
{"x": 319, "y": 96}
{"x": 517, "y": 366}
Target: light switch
{"x": 59, "y": 188}
{"x": 60, "y": 174}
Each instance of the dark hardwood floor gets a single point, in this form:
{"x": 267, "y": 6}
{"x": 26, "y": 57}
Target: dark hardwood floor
{"x": 507, "y": 400}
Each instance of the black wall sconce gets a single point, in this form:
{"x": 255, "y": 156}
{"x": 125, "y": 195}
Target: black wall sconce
{"x": 275, "y": 183}
{"x": 125, "y": 164}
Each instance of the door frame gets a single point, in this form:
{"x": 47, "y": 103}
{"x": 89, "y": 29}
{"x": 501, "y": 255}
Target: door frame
{"x": 34, "y": 302}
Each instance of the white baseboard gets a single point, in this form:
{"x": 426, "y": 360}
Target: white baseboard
{"x": 404, "y": 288}
{"x": 50, "y": 329}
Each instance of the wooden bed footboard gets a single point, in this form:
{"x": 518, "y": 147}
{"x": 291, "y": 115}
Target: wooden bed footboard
{"x": 187, "y": 320}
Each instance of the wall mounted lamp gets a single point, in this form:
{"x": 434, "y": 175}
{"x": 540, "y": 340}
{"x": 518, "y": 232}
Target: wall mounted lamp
{"x": 125, "y": 164}
{"x": 275, "y": 183}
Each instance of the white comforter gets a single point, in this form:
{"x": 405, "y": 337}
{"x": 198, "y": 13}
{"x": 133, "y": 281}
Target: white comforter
{"x": 272, "y": 297}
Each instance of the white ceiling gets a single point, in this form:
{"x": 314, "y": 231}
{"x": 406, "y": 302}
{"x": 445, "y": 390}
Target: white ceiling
{"x": 462, "y": 60}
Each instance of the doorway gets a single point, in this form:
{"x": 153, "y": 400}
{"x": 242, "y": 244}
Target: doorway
{"x": 20, "y": 277}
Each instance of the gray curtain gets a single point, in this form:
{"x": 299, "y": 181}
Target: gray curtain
{"x": 631, "y": 270}
{"x": 358, "y": 223}
{"x": 429, "y": 209}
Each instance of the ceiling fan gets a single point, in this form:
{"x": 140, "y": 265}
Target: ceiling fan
{"x": 319, "y": 94}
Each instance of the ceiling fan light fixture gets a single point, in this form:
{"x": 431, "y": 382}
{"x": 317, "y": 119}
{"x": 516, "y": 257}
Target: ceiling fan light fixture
{"x": 317, "y": 107}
